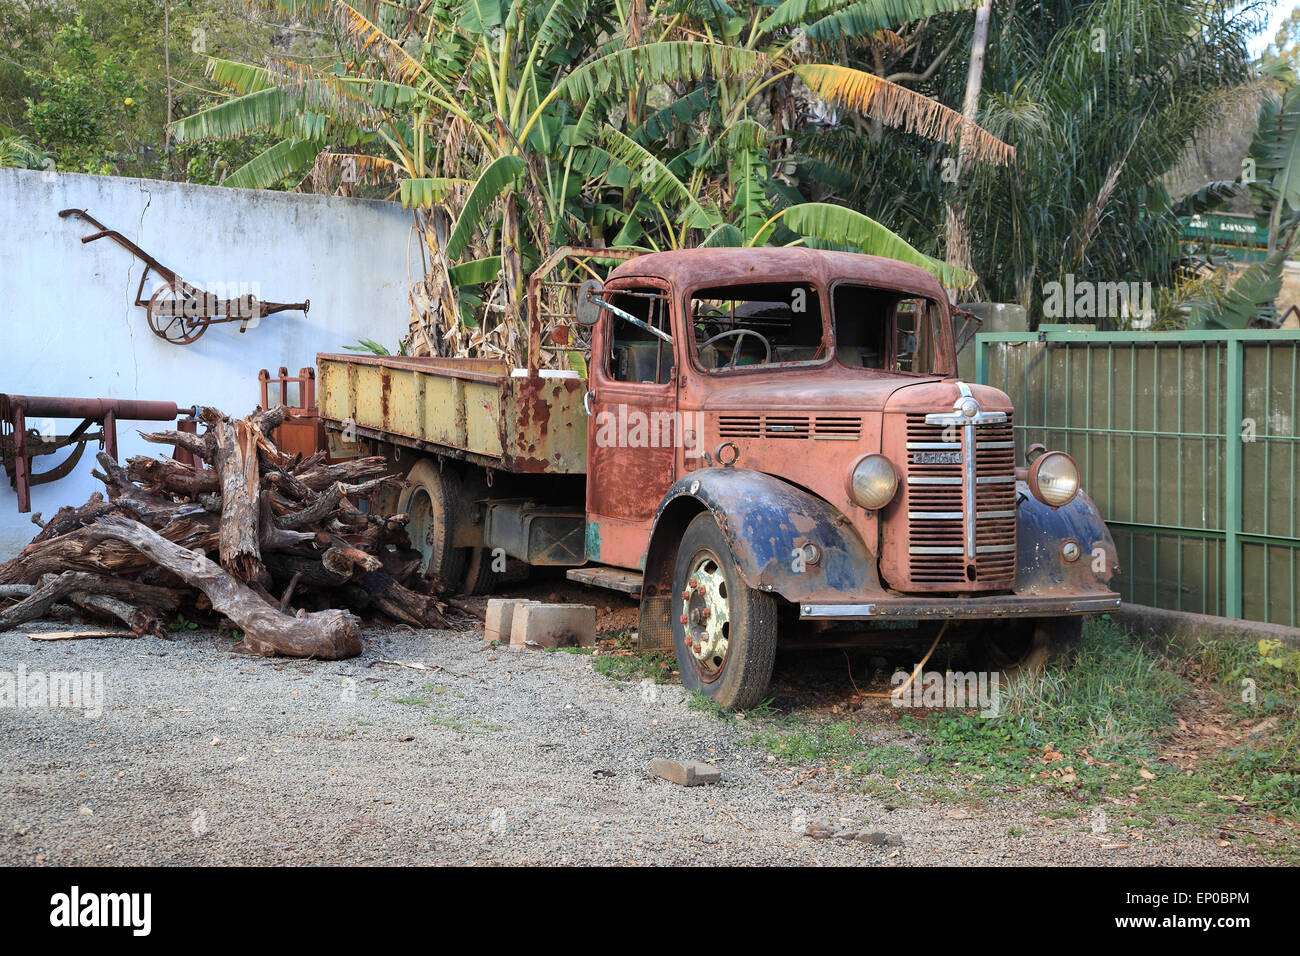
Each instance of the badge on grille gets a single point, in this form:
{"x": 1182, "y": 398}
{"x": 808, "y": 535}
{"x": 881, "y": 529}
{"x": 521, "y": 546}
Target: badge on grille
{"x": 937, "y": 457}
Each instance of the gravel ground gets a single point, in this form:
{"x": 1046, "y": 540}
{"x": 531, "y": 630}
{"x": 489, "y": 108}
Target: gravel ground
{"x": 492, "y": 756}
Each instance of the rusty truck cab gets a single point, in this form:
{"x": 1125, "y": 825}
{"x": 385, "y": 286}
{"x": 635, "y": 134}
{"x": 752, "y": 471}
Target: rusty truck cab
{"x": 806, "y": 404}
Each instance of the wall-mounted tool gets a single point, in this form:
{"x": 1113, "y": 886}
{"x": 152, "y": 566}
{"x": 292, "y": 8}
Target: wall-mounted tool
{"x": 20, "y": 443}
{"x": 178, "y": 311}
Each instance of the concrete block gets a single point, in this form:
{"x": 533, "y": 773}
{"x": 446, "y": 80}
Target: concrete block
{"x": 500, "y": 618}
{"x": 686, "y": 773}
{"x": 554, "y": 625}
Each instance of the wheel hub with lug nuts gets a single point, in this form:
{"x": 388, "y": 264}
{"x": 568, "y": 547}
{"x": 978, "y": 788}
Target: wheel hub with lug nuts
{"x": 706, "y": 616}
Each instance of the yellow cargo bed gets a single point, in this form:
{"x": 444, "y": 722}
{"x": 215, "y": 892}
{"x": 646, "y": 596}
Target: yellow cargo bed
{"x": 473, "y": 409}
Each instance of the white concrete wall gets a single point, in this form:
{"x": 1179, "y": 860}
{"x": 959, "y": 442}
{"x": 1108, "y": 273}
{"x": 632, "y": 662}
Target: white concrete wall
{"x": 70, "y": 326}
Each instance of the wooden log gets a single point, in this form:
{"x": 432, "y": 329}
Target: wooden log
{"x": 312, "y": 572}
{"x": 272, "y": 538}
{"x": 55, "y": 588}
{"x": 140, "y": 620}
{"x": 204, "y": 446}
{"x": 326, "y": 502}
{"x": 237, "y": 466}
{"x": 352, "y": 471}
{"x": 329, "y": 635}
{"x": 172, "y": 476}
{"x": 400, "y": 603}
{"x": 69, "y": 518}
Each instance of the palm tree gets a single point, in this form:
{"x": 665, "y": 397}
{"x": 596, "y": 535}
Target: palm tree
{"x": 541, "y": 122}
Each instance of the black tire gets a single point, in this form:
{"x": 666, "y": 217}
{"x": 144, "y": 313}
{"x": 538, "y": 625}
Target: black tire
{"x": 479, "y": 576}
{"x": 430, "y": 502}
{"x": 1028, "y": 646}
{"x": 738, "y": 678}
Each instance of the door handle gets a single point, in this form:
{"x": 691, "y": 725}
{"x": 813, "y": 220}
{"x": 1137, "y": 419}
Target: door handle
{"x": 586, "y": 403}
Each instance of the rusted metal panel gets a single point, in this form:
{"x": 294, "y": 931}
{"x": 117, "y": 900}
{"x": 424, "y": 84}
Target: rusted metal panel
{"x": 468, "y": 407}
{"x": 1043, "y": 533}
{"x": 543, "y": 428}
{"x": 301, "y": 432}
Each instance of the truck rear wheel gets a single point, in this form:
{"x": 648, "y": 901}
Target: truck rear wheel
{"x": 1030, "y": 645}
{"x": 429, "y": 501}
{"x": 724, "y": 632}
{"x": 480, "y": 577}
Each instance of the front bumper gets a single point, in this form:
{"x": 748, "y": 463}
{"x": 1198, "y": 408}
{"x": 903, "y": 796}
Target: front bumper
{"x": 962, "y": 608}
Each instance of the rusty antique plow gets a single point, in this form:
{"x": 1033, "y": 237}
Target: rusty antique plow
{"x": 178, "y": 311}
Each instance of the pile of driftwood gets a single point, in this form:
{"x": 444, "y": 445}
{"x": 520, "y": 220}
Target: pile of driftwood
{"x": 273, "y": 543}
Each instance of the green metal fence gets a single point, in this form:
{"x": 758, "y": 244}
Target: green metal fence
{"x": 1189, "y": 442}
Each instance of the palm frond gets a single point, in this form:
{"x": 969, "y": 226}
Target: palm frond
{"x": 275, "y": 164}
{"x": 422, "y": 193}
{"x": 669, "y": 61}
{"x": 500, "y": 174}
{"x": 901, "y": 108}
{"x": 653, "y": 176}
{"x": 846, "y": 227}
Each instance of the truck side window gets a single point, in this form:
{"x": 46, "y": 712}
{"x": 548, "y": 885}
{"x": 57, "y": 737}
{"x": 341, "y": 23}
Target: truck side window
{"x": 871, "y": 325}
{"x": 862, "y": 325}
{"x": 636, "y": 355}
{"x": 770, "y": 323}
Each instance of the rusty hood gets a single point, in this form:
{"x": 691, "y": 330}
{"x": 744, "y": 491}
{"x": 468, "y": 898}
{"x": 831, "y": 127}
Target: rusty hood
{"x": 842, "y": 389}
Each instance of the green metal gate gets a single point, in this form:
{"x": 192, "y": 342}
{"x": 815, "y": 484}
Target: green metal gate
{"x": 1189, "y": 442}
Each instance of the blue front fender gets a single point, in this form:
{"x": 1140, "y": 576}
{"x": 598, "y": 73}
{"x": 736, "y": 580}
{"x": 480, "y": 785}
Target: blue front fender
{"x": 766, "y": 521}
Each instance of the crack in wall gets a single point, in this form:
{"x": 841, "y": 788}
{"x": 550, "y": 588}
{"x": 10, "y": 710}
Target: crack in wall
{"x": 130, "y": 296}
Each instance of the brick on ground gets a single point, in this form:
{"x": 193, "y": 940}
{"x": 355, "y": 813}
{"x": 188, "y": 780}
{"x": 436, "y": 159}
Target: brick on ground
{"x": 500, "y": 618}
{"x": 553, "y": 625}
{"x": 686, "y": 773}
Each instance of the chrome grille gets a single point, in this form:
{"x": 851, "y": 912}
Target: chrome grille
{"x": 938, "y": 499}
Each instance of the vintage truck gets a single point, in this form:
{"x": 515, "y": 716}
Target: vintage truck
{"x": 768, "y": 443}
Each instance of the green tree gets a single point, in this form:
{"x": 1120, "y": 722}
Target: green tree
{"x": 514, "y": 127}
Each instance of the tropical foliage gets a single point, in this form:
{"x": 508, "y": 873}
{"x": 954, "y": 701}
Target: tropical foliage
{"x": 513, "y": 127}
{"x": 91, "y": 86}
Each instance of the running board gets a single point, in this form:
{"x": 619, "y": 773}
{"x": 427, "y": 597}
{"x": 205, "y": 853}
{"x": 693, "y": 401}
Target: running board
{"x": 602, "y": 576}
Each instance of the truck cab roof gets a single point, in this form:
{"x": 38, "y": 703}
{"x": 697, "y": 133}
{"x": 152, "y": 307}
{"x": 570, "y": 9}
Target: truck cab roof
{"x": 694, "y": 268}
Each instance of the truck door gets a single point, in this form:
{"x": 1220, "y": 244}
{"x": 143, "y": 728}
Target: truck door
{"x": 632, "y": 432}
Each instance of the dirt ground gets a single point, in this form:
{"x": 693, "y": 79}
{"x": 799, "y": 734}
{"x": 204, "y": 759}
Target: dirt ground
{"x": 480, "y": 755}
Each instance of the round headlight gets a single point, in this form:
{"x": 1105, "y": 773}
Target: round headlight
{"x": 1054, "y": 478}
{"x": 873, "y": 482}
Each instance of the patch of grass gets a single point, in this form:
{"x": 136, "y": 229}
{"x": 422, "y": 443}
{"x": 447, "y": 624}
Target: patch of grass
{"x": 1260, "y": 685}
{"x": 1093, "y": 724}
{"x": 707, "y": 705}
{"x": 463, "y": 726}
{"x": 424, "y": 699}
{"x": 1093, "y": 728}
{"x": 657, "y": 667}
{"x": 411, "y": 700}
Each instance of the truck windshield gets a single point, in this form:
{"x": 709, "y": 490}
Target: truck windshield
{"x": 769, "y": 324}
{"x": 887, "y": 329}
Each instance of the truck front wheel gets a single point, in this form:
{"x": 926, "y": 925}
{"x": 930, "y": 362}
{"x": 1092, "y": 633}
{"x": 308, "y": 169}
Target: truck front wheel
{"x": 724, "y": 632}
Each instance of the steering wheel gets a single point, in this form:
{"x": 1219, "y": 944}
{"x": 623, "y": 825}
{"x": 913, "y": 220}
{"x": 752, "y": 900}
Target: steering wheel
{"x": 740, "y": 337}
